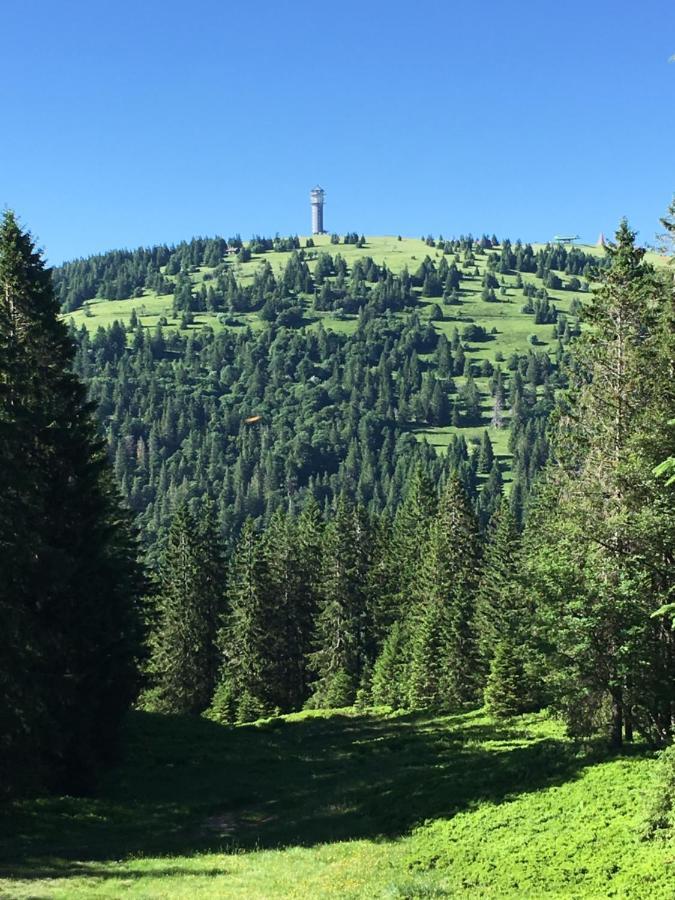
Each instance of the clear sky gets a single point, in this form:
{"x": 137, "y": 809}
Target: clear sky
{"x": 126, "y": 123}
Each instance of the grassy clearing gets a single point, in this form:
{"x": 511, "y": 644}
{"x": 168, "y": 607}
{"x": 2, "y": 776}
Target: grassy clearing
{"x": 344, "y": 805}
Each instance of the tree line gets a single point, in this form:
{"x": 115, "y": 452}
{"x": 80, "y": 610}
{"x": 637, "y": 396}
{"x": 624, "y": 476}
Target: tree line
{"x": 123, "y": 274}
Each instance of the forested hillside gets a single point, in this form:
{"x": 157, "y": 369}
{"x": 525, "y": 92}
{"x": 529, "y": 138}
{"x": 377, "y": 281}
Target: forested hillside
{"x": 258, "y": 374}
{"x": 268, "y": 407}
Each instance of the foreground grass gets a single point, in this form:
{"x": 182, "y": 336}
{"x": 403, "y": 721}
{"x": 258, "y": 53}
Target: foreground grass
{"x": 344, "y": 805}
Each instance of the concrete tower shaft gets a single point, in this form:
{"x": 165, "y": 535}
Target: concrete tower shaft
{"x": 316, "y": 196}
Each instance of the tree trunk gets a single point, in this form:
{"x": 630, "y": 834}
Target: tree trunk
{"x": 628, "y": 725}
{"x": 617, "y": 719}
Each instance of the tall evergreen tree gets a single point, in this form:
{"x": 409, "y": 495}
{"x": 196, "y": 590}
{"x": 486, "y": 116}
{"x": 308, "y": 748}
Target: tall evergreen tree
{"x": 184, "y": 659}
{"x": 410, "y": 531}
{"x": 248, "y": 637}
{"x": 601, "y": 537}
{"x": 69, "y": 580}
{"x": 459, "y": 571}
{"x": 342, "y": 624}
{"x": 388, "y": 681}
{"x": 439, "y": 626}
{"x": 486, "y": 454}
{"x": 497, "y": 601}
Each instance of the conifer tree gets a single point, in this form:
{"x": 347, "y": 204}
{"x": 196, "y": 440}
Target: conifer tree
{"x": 248, "y": 638}
{"x": 486, "y": 455}
{"x": 307, "y": 548}
{"x": 512, "y": 685}
{"x": 429, "y": 632}
{"x": 490, "y": 496}
{"x": 410, "y": 530}
{"x": 184, "y": 659}
{"x": 343, "y": 616}
{"x": 498, "y": 602}
{"x": 600, "y": 538}
{"x": 439, "y": 627}
{"x": 388, "y": 678}
{"x": 290, "y": 592}
{"x": 70, "y": 581}
{"x": 459, "y": 560}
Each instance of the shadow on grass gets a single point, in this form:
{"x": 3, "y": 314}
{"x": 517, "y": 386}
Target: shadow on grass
{"x": 189, "y": 786}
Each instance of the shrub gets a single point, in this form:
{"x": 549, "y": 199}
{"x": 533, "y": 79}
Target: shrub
{"x": 660, "y": 807}
{"x": 474, "y": 332}
{"x": 223, "y": 706}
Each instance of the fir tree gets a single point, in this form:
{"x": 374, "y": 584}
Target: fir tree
{"x": 70, "y": 580}
{"x": 597, "y": 539}
{"x": 388, "y": 672}
{"x": 342, "y": 620}
{"x": 439, "y": 625}
{"x": 498, "y": 601}
{"x": 486, "y": 455}
{"x": 183, "y": 665}
{"x": 247, "y": 638}
{"x": 511, "y": 687}
{"x": 459, "y": 560}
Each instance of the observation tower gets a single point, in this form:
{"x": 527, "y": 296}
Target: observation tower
{"x": 316, "y": 196}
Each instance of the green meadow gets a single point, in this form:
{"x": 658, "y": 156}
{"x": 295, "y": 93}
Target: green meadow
{"x": 345, "y": 805}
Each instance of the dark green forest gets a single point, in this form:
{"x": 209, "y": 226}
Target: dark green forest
{"x": 257, "y": 421}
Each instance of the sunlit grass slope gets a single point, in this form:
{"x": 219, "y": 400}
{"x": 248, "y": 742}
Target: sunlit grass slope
{"x": 344, "y": 805}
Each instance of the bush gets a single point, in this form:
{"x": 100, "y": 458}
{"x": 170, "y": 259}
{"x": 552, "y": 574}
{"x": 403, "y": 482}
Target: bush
{"x": 291, "y": 317}
{"x": 474, "y": 332}
{"x": 340, "y": 691}
{"x": 511, "y": 688}
{"x": 223, "y": 706}
{"x": 388, "y": 671}
{"x": 660, "y": 807}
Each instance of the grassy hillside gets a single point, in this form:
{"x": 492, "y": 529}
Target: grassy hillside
{"x": 408, "y": 252}
{"x": 344, "y": 805}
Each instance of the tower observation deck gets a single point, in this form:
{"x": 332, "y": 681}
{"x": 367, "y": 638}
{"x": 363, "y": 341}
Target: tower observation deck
{"x": 316, "y": 196}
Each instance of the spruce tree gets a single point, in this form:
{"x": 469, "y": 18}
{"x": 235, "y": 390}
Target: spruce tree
{"x": 183, "y": 664}
{"x": 288, "y": 589}
{"x": 247, "y": 639}
{"x": 486, "y": 454}
{"x": 410, "y": 530}
{"x": 70, "y": 580}
{"x": 307, "y": 545}
{"x": 498, "y": 601}
{"x": 429, "y": 632}
{"x": 342, "y": 624}
{"x": 441, "y": 643}
{"x": 388, "y": 679}
{"x": 512, "y": 685}
{"x": 600, "y": 536}
{"x": 459, "y": 561}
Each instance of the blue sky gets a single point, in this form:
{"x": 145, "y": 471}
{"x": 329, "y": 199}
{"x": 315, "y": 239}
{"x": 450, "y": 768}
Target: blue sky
{"x": 127, "y": 123}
